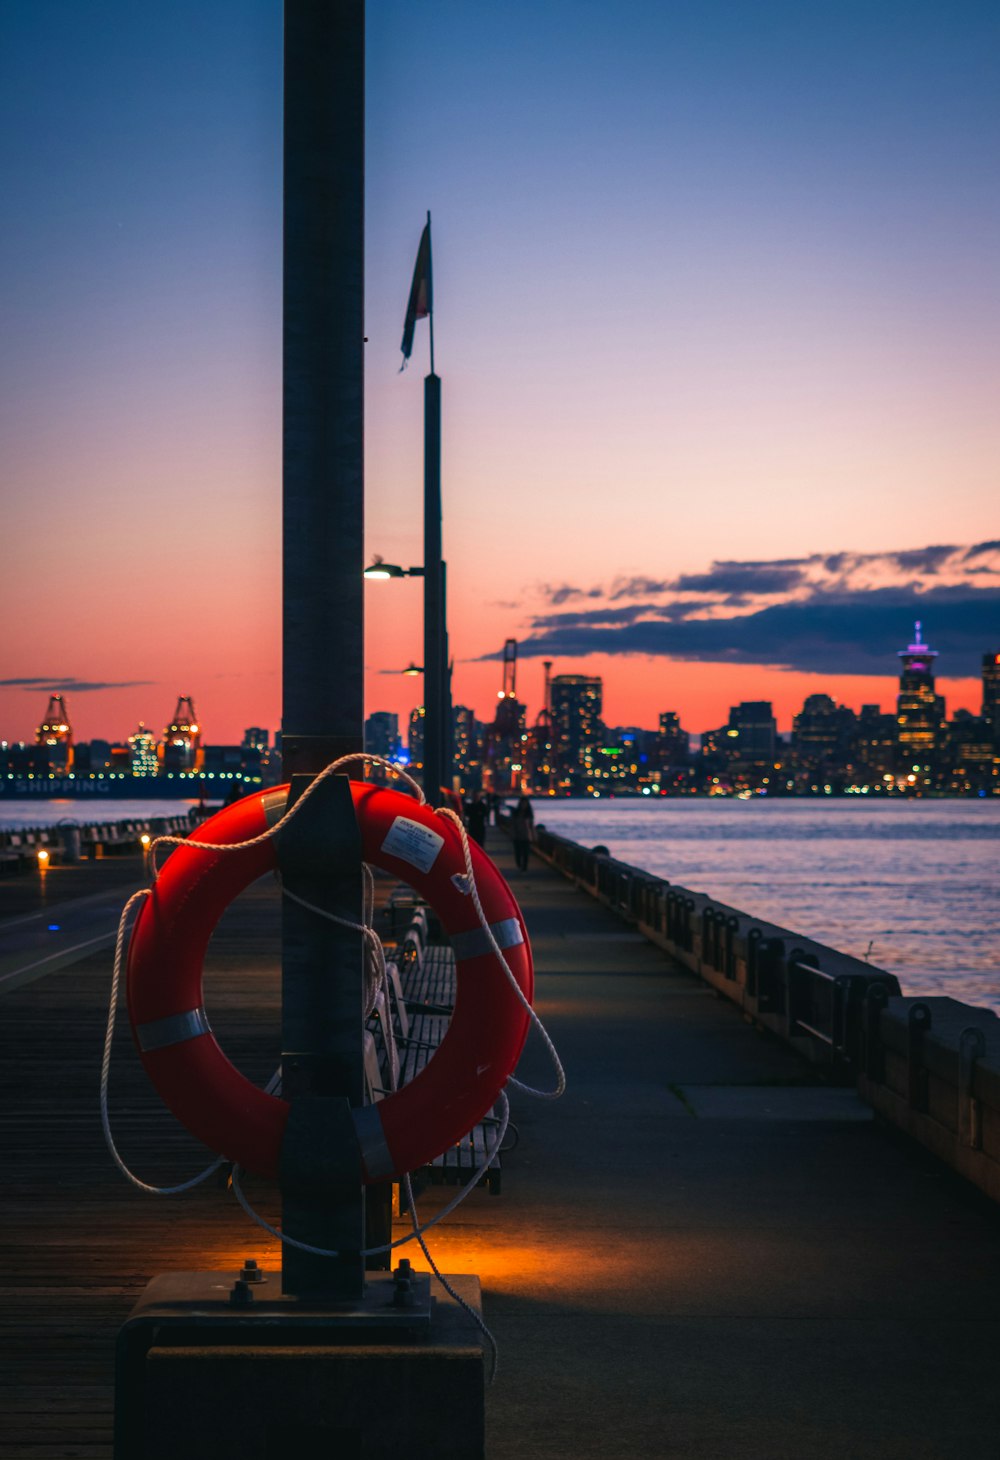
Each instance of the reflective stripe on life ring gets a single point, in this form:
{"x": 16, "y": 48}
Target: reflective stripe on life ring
{"x": 408, "y": 1128}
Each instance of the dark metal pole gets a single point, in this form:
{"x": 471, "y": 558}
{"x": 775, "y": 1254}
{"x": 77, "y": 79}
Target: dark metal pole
{"x": 434, "y": 730}
{"x": 322, "y": 988}
{"x": 447, "y": 716}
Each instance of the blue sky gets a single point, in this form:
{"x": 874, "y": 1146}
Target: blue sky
{"x": 714, "y": 283}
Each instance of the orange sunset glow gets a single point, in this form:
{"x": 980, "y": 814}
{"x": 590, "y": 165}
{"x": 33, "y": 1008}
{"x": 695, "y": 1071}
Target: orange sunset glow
{"x": 701, "y": 314}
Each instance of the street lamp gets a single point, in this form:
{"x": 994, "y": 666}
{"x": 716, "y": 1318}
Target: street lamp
{"x": 437, "y": 682}
{"x": 379, "y": 569}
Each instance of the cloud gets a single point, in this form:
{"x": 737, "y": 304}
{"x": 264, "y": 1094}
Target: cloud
{"x": 842, "y": 633}
{"x": 53, "y": 685}
{"x": 563, "y": 594}
{"x": 922, "y": 560}
{"x": 743, "y": 578}
{"x": 592, "y": 616}
{"x": 637, "y": 587}
{"x": 982, "y": 548}
{"x": 838, "y": 612}
{"x": 567, "y": 591}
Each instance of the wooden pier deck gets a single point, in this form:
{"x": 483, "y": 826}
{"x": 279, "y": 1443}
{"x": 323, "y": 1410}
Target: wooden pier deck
{"x": 698, "y": 1253}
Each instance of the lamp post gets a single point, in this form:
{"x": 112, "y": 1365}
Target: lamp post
{"x": 322, "y": 680}
{"x": 437, "y": 676}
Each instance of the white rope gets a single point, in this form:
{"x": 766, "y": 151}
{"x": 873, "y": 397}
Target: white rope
{"x": 109, "y": 1034}
{"x": 376, "y": 980}
{"x": 473, "y": 892}
{"x": 293, "y": 810}
{"x": 375, "y": 975}
{"x": 373, "y": 960}
{"x": 417, "y": 1233}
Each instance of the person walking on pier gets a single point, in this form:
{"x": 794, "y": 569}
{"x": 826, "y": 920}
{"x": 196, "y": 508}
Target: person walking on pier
{"x": 523, "y": 827}
{"x": 477, "y": 814}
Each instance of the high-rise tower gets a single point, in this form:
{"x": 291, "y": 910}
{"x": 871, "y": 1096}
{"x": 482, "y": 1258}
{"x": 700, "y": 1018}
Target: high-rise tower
{"x": 991, "y": 692}
{"x": 142, "y": 752}
{"x": 919, "y": 710}
{"x": 576, "y": 724}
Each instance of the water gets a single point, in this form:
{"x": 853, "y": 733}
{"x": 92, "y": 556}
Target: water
{"x": 919, "y": 881}
{"x": 37, "y": 812}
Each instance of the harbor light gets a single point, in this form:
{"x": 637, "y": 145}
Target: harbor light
{"x": 43, "y": 860}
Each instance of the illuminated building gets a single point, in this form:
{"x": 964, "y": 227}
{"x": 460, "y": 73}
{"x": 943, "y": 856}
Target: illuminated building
{"x": 875, "y": 746}
{"x": 255, "y": 738}
{"x": 672, "y": 749}
{"x": 919, "y": 710}
{"x": 142, "y": 752}
{"x": 382, "y": 734}
{"x": 991, "y": 692}
{"x": 467, "y": 733}
{"x": 970, "y": 764}
{"x": 577, "y": 701}
{"x": 823, "y": 734}
{"x": 752, "y": 733}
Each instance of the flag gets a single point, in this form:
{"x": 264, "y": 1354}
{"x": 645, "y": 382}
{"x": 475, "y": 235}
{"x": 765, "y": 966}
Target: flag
{"x": 421, "y": 301}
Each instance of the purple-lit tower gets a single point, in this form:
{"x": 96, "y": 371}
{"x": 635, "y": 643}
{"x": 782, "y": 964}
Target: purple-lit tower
{"x": 919, "y": 710}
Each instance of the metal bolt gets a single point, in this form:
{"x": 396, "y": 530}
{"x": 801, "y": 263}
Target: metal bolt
{"x": 250, "y": 1272}
{"x": 241, "y": 1295}
{"x": 403, "y": 1294}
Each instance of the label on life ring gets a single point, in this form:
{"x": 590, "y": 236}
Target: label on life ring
{"x": 413, "y": 843}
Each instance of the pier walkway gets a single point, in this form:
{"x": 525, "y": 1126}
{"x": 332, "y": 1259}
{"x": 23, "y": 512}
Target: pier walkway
{"x": 699, "y": 1253}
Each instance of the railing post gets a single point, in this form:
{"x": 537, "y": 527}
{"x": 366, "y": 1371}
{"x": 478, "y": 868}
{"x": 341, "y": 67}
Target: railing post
{"x": 918, "y": 1024}
{"x": 971, "y": 1047}
{"x": 876, "y": 1000}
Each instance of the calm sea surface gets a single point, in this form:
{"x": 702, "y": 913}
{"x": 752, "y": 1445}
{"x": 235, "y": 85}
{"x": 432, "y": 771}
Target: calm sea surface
{"x": 917, "y": 881}
{"x": 85, "y": 811}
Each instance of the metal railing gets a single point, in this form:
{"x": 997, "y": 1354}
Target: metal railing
{"x": 811, "y": 995}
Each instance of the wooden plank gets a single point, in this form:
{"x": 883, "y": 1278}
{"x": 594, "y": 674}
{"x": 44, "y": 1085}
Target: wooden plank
{"x": 77, "y": 1242}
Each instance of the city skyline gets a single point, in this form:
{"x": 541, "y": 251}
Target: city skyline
{"x": 569, "y": 748}
{"x": 717, "y": 324}
{"x": 532, "y": 708}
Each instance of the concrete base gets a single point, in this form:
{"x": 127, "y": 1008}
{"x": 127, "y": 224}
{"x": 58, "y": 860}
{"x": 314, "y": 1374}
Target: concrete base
{"x": 297, "y": 1393}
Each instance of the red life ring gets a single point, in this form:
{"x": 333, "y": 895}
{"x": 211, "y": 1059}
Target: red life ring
{"x": 226, "y": 1111}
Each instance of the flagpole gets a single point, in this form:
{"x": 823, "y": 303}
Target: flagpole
{"x": 434, "y": 729}
{"x": 430, "y": 289}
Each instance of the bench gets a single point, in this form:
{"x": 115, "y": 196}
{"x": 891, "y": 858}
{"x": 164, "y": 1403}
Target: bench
{"x": 421, "y": 995}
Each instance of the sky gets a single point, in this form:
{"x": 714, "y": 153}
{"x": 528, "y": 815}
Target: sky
{"x": 717, "y": 317}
